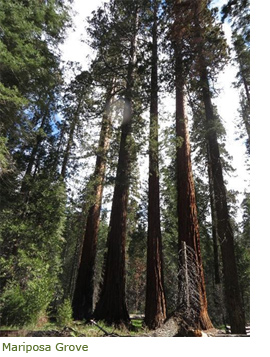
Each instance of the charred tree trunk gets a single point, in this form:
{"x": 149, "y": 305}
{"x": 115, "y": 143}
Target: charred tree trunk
{"x": 84, "y": 288}
{"x": 155, "y": 310}
{"x": 111, "y": 306}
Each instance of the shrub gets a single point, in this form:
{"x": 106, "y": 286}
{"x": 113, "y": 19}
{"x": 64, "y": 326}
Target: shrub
{"x": 64, "y": 313}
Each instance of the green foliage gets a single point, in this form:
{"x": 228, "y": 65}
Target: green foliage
{"x": 243, "y": 254}
{"x": 23, "y": 303}
{"x": 169, "y": 225}
{"x": 72, "y": 235}
{"x": 28, "y": 60}
{"x": 214, "y": 291}
{"x": 64, "y": 313}
{"x": 32, "y": 206}
{"x": 136, "y": 261}
{"x": 3, "y": 155}
{"x": 101, "y": 252}
{"x": 238, "y": 14}
{"x": 31, "y": 244}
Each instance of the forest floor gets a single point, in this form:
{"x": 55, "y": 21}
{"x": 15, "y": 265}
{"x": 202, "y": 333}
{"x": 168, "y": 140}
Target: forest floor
{"x": 70, "y": 332}
{"x": 172, "y": 328}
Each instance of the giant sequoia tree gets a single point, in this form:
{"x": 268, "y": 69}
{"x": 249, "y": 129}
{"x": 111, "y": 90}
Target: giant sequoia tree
{"x": 155, "y": 310}
{"x": 111, "y": 305}
{"x": 188, "y": 229}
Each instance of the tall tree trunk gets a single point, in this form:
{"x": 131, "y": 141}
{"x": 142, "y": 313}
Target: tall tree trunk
{"x": 155, "y": 310}
{"x": 111, "y": 306}
{"x": 84, "y": 288}
{"x": 188, "y": 228}
{"x": 225, "y": 233}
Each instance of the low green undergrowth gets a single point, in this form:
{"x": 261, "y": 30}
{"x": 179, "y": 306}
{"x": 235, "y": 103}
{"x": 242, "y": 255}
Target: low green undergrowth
{"x": 76, "y": 328}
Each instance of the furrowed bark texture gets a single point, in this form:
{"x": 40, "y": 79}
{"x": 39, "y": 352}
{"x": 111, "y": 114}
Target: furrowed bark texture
{"x": 111, "y": 306}
{"x": 155, "y": 310}
{"x": 84, "y": 288}
{"x": 188, "y": 228}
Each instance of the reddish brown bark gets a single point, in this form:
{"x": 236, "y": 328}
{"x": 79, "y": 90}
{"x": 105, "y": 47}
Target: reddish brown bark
{"x": 155, "y": 310}
{"x": 111, "y": 306}
{"x": 188, "y": 228}
{"x": 84, "y": 288}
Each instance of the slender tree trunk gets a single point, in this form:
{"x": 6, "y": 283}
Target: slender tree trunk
{"x": 155, "y": 310}
{"x": 70, "y": 138}
{"x": 111, "y": 306}
{"x": 84, "y": 288}
{"x": 33, "y": 155}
